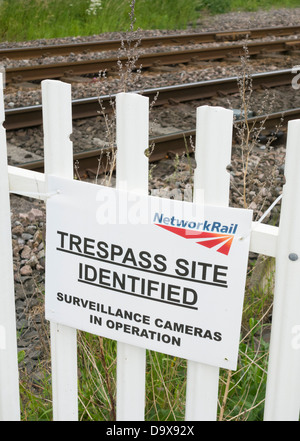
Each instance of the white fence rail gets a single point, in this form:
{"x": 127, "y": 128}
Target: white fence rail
{"x": 213, "y": 154}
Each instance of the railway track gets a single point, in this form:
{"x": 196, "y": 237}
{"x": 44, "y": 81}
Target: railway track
{"x": 40, "y": 72}
{"x": 24, "y": 117}
{"x": 175, "y": 143}
{"x": 49, "y": 50}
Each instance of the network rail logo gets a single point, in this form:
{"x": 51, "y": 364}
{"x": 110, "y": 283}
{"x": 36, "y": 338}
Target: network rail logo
{"x": 208, "y": 234}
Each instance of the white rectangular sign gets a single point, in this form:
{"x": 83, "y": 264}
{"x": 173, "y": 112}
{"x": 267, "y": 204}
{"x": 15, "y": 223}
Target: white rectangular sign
{"x": 162, "y": 274}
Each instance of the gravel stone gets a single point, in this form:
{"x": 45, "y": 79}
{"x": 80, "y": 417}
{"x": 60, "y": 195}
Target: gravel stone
{"x": 26, "y": 270}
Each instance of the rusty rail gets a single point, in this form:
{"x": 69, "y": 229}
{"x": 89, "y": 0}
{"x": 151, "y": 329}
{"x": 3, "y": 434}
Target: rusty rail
{"x": 176, "y": 143}
{"x": 85, "y": 67}
{"x": 89, "y": 107}
{"x": 49, "y": 50}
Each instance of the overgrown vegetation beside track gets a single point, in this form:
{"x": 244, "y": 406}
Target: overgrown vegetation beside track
{"x": 22, "y": 20}
{"x": 222, "y": 6}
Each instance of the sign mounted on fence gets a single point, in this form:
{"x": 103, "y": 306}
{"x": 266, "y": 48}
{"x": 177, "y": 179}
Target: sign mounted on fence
{"x": 162, "y": 274}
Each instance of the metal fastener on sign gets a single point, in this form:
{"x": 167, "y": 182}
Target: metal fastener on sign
{"x": 293, "y": 256}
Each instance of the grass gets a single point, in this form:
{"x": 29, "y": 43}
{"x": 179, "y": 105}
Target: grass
{"x": 223, "y": 6}
{"x": 22, "y": 20}
{"x": 241, "y": 393}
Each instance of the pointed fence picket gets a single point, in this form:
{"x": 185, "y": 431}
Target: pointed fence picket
{"x": 132, "y": 175}
{"x": 58, "y": 157}
{"x": 211, "y": 186}
{"x": 283, "y": 381}
{"x": 211, "y": 183}
{"x": 9, "y": 377}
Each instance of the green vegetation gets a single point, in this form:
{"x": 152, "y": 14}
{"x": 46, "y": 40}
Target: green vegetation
{"x": 222, "y": 6}
{"x": 241, "y": 393}
{"x": 22, "y": 20}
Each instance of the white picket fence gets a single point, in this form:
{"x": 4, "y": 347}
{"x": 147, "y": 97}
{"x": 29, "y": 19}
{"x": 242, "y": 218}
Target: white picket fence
{"x": 213, "y": 154}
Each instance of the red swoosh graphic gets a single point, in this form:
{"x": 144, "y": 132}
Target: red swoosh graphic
{"x": 208, "y": 239}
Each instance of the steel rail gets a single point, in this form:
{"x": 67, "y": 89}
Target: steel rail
{"x": 49, "y": 50}
{"x": 176, "y": 143}
{"x": 31, "y": 116}
{"x": 59, "y": 70}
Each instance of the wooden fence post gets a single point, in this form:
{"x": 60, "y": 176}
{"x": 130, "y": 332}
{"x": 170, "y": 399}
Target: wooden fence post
{"x": 283, "y": 380}
{"x": 211, "y": 186}
{"x": 9, "y": 375}
{"x": 132, "y": 175}
{"x": 58, "y": 157}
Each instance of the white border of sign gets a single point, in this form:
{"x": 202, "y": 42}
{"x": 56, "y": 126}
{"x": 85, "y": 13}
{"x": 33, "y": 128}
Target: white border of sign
{"x": 157, "y": 273}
